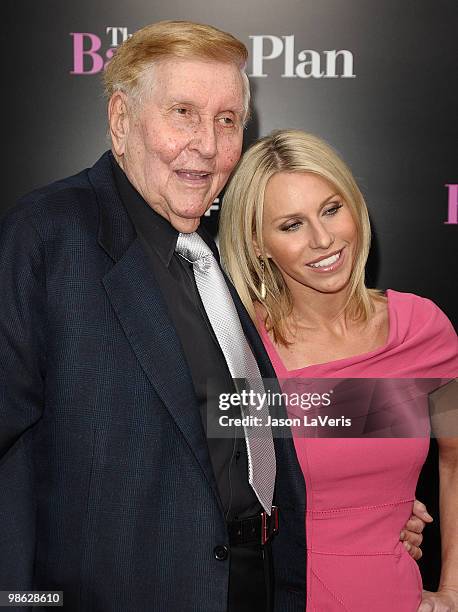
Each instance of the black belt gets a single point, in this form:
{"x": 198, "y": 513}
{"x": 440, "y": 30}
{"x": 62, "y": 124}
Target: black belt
{"x": 257, "y": 529}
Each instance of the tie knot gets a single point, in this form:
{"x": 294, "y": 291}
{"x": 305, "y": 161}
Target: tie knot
{"x": 192, "y": 247}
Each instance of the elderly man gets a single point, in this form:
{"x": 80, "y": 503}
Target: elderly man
{"x": 111, "y": 327}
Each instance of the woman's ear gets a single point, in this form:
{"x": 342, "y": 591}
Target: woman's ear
{"x": 257, "y": 250}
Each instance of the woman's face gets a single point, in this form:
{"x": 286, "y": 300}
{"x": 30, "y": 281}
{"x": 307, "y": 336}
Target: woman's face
{"x": 309, "y": 232}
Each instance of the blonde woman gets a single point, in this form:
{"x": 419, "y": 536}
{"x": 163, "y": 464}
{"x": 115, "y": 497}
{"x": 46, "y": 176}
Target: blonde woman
{"x": 294, "y": 239}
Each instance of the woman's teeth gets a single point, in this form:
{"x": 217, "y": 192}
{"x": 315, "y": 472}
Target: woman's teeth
{"x": 324, "y": 263}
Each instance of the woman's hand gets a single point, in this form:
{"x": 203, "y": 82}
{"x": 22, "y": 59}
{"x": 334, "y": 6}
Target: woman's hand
{"x": 445, "y": 600}
{"x": 411, "y": 535}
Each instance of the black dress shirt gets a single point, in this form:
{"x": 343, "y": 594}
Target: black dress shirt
{"x": 202, "y": 352}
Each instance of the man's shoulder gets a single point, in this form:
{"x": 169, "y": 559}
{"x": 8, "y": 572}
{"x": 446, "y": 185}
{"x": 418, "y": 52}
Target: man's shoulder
{"x": 65, "y": 201}
{"x": 65, "y": 190}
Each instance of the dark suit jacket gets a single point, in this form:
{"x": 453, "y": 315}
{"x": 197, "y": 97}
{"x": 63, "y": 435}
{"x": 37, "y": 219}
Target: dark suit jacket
{"x": 106, "y": 487}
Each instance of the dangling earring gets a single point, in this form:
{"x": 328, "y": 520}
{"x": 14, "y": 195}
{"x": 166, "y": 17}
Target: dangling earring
{"x": 262, "y": 289}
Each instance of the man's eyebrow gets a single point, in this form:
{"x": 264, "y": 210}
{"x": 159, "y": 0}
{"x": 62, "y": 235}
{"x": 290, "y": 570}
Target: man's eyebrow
{"x": 238, "y": 111}
{"x": 174, "y": 101}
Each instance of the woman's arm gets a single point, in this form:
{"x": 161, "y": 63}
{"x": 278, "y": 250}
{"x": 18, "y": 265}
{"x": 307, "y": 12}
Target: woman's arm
{"x": 448, "y": 470}
{"x": 446, "y": 598}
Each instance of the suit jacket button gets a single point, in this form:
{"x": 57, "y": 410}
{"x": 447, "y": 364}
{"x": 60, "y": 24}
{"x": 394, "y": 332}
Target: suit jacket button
{"x": 221, "y": 552}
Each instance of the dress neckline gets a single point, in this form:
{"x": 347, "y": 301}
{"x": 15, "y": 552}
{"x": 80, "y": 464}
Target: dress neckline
{"x": 278, "y": 360}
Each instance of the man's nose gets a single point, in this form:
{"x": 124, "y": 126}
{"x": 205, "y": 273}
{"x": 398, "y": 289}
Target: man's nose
{"x": 321, "y": 237}
{"x": 204, "y": 139}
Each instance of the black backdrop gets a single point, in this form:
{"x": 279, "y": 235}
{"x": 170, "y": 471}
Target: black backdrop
{"x": 390, "y": 109}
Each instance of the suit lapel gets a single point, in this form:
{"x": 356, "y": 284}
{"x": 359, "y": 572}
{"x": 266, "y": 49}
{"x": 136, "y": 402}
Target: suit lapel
{"x": 139, "y": 305}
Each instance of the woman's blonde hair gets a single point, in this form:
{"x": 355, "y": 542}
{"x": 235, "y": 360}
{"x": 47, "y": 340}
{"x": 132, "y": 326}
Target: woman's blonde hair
{"x": 241, "y": 222}
{"x": 135, "y": 58}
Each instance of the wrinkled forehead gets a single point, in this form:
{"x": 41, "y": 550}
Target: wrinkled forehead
{"x": 204, "y": 83}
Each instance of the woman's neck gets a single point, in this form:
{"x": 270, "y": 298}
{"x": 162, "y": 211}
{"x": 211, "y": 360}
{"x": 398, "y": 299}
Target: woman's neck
{"x": 313, "y": 310}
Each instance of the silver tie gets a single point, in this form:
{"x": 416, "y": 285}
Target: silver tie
{"x": 223, "y": 317}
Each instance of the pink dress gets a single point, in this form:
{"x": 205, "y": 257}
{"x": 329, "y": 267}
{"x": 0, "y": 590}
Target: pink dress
{"x": 360, "y": 491}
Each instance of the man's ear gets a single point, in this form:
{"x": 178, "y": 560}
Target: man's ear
{"x": 118, "y": 119}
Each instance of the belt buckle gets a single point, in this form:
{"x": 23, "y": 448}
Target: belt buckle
{"x": 269, "y": 525}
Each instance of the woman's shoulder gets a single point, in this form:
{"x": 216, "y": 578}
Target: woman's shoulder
{"x": 414, "y": 312}
{"x": 422, "y": 338}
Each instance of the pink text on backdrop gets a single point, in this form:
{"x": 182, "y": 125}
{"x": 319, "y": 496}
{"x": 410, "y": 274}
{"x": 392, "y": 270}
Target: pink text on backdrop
{"x": 452, "y": 205}
{"x": 87, "y": 55}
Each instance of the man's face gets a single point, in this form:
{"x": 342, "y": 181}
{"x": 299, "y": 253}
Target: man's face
{"x": 180, "y": 146}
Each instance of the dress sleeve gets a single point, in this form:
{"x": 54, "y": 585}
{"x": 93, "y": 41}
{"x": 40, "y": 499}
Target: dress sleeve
{"x": 438, "y": 341}
{"x": 443, "y": 352}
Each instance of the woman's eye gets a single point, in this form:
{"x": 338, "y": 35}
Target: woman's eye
{"x": 291, "y": 227}
{"x": 333, "y": 210}
{"x": 181, "y": 110}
